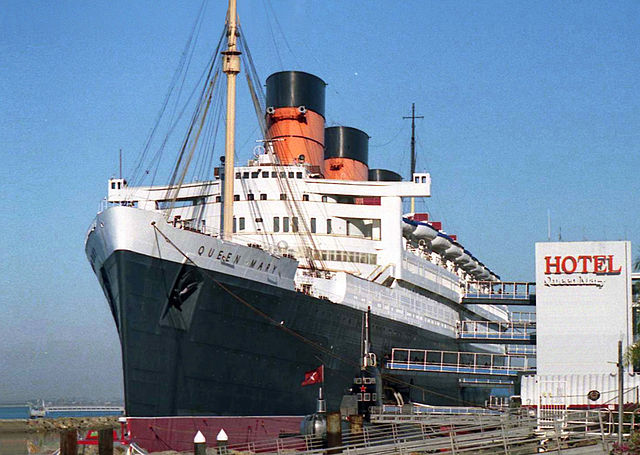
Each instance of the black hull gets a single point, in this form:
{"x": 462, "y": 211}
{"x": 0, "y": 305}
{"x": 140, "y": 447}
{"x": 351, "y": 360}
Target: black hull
{"x": 231, "y": 346}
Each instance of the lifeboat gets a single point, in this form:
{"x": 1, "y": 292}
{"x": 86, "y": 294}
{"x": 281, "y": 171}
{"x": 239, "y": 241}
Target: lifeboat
{"x": 441, "y": 243}
{"x": 454, "y": 251}
{"x": 473, "y": 266}
{"x": 424, "y": 231}
{"x": 408, "y": 227}
{"x": 483, "y": 274}
{"x": 463, "y": 260}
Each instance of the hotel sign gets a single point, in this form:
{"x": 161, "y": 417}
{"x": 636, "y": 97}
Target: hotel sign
{"x": 579, "y": 270}
{"x": 583, "y": 305}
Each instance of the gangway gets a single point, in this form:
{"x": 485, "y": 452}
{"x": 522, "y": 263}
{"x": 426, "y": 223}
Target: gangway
{"x": 473, "y": 363}
{"x": 529, "y": 350}
{"x": 496, "y": 332}
{"x": 499, "y": 293}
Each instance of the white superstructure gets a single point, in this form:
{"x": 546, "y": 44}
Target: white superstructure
{"x": 348, "y": 237}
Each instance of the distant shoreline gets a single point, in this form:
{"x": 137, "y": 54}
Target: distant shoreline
{"x": 45, "y": 425}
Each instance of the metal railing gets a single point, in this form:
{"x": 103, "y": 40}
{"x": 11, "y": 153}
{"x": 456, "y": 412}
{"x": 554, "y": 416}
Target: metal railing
{"x": 512, "y": 290}
{"x": 458, "y": 362}
{"x": 495, "y": 330}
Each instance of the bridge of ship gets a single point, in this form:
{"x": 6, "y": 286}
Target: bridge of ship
{"x": 499, "y": 293}
{"x": 458, "y": 362}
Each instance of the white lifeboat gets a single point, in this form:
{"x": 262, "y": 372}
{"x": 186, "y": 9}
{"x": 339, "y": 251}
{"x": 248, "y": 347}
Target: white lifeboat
{"x": 408, "y": 227}
{"x": 454, "y": 251}
{"x": 484, "y": 273}
{"x": 441, "y": 243}
{"x": 473, "y": 266}
{"x": 463, "y": 259}
{"x": 424, "y": 231}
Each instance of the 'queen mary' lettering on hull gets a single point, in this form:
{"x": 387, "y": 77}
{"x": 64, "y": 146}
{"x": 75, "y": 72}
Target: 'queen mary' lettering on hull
{"x": 231, "y": 258}
{"x": 597, "y": 264}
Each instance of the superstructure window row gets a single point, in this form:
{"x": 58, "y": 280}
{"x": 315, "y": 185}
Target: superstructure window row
{"x": 269, "y": 174}
{"x": 346, "y": 256}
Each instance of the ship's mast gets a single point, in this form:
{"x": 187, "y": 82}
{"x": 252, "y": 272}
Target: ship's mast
{"x": 413, "y": 148}
{"x": 231, "y": 67}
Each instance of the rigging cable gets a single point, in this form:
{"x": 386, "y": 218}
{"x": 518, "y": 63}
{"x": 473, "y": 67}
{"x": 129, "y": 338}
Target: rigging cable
{"x": 176, "y": 76}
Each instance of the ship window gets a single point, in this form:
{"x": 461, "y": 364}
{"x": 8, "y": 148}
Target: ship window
{"x": 241, "y": 224}
{"x": 298, "y": 175}
{"x": 218, "y": 198}
{"x": 374, "y": 397}
{"x": 294, "y": 224}
{"x": 265, "y": 174}
{"x": 313, "y": 225}
{"x": 245, "y": 175}
{"x": 359, "y": 397}
{"x": 324, "y": 198}
{"x": 424, "y": 179}
{"x": 237, "y": 175}
{"x": 258, "y": 220}
{"x": 367, "y": 397}
{"x": 274, "y": 174}
{"x": 305, "y": 197}
{"x": 276, "y": 224}
{"x": 263, "y": 197}
{"x": 358, "y": 380}
{"x": 283, "y": 197}
{"x": 113, "y": 185}
{"x": 250, "y": 197}
{"x": 329, "y": 226}
{"x": 254, "y": 175}
{"x": 236, "y": 197}
{"x": 290, "y": 175}
{"x": 234, "y": 224}
{"x": 285, "y": 224}
{"x": 283, "y": 174}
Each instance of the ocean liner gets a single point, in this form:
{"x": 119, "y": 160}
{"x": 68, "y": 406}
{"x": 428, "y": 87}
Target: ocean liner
{"x": 225, "y": 291}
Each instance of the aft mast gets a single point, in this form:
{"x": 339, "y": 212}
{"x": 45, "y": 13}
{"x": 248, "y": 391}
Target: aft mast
{"x": 413, "y": 148}
{"x": 231, "y": 67}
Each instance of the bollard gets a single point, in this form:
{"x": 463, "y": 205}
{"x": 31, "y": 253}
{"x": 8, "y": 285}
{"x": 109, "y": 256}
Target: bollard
{"x": 69, "y": 442}
{"x": 334, "y": 431}
{"x": 221, "y": 441}
{"x": 356, "y": 428}
{"x": 199, "y": 444}
{"x": 105, "y": 441}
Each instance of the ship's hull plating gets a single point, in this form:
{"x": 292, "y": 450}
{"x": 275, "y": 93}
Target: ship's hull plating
{"x": 198, "y": 342}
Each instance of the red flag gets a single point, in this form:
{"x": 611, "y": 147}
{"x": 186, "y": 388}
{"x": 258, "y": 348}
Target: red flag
{"x": 314, "y": 376}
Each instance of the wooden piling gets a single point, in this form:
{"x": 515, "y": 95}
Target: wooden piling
{"x": 334, "y": 431}
{"x": 199, "y": 444}
{"x": 105, "y": 441}
{"x": 69, "y": 442}
{"x": 356, "y": 422}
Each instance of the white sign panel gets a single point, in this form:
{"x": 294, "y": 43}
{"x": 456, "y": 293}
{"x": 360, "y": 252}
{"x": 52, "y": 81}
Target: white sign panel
{"x": 583, "y": 305}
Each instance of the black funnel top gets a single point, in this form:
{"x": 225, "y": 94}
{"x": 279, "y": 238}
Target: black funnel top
{"x": 294, "y": 89}
{"x": 383, "y": 175}
{"x": 346, "y": 142}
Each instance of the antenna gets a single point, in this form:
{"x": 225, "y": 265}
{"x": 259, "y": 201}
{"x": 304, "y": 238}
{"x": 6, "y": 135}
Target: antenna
{"x": 548, "y": 225}
{"x": 413, "y": 148}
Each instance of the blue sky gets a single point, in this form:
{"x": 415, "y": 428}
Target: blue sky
{"x": 530, "y": 108}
